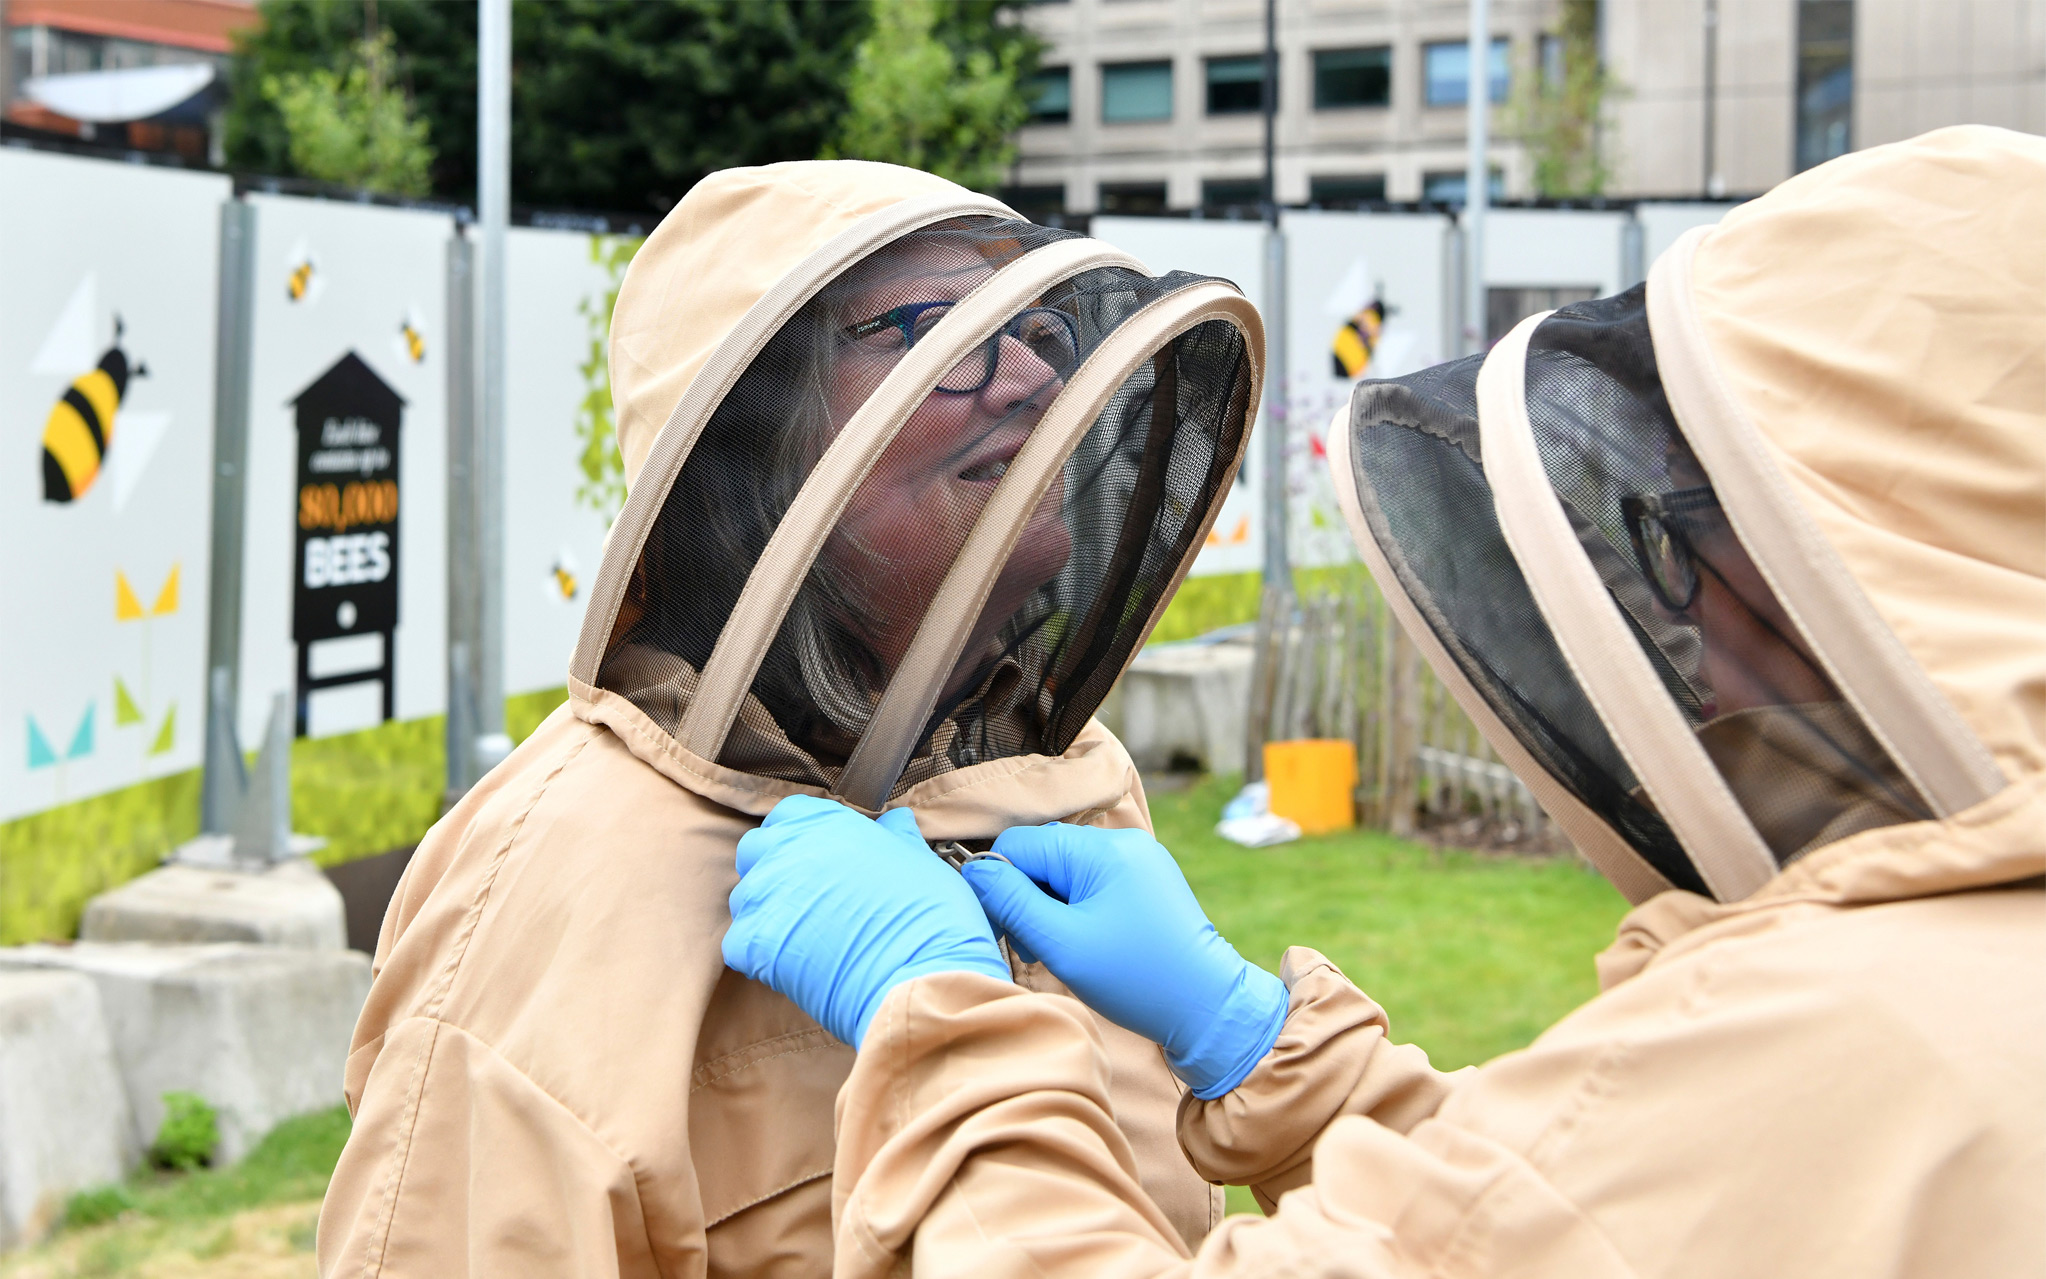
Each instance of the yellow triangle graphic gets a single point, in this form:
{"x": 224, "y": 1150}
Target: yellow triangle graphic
{"x": 167, "y": 598}
{"x": 167, "y": 736}
{"x": 125, "y": 710}
{"x": 126, "y": 607}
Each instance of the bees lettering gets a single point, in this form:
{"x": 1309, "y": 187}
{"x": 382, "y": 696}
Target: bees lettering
{"x": 80, "y": 429}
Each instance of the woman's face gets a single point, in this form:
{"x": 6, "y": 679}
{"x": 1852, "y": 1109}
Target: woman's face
{"x": 907, "y": 522}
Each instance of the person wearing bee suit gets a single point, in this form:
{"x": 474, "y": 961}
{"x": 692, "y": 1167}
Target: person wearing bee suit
{"x": 911, "y": 478}
{"x": 1743, "y": 571}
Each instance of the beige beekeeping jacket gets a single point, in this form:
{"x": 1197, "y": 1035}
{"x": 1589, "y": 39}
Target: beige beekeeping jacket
{"x": 1841, "y": 1073}
{"x": 555, "y": 1075}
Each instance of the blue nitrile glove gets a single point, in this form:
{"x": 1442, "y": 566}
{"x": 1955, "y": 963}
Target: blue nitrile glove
{"x": 834, "y": 911}
{"x": 1130, "y": 940}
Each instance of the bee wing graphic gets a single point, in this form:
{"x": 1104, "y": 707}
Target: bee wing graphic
{"x": 74, "y": 341}
{"x": 130, "y": 455}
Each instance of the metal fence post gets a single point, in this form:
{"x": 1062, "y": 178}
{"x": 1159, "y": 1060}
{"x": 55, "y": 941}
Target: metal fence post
{"x": 223, "y": 779}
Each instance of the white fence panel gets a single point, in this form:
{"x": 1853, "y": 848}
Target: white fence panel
{"x": 103, "y": 629}
{"x": 331, "y": 279}
{"x": 554, "y": 538}
{"x": 1336, "y": 264}
{"x": 1661, "y": 224}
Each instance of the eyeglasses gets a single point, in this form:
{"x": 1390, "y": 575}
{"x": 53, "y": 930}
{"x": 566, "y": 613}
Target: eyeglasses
{"x": 1050, "y": 335}
{"x": 1656, "y": 525}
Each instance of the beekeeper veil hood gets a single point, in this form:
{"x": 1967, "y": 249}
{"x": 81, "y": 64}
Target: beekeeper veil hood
{"x": 911, "y": 478}
{"x": 1752, "y": 558}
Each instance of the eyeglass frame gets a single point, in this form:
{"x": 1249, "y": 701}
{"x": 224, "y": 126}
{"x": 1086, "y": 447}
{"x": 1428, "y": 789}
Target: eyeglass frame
{"x": 904, "y": 317}
{"x": 1669, "y": 511}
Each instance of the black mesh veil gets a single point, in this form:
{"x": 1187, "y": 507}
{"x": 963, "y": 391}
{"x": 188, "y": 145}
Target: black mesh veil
{"x": 1796, "y": 755}
{"x": 1793, "y": 752}
{"x": 1088, "y": 570}
{"x": 1421, "y": 484}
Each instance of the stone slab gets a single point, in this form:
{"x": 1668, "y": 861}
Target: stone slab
{"x": 290, "y": 904}
{"x": 64, "y": 1118}
{"x": 261, "y": 1032}
{"x": 1183, "y": 703}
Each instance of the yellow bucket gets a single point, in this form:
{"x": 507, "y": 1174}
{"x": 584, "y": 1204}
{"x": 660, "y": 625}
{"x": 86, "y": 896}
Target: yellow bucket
{"x": 1313, "y": 782}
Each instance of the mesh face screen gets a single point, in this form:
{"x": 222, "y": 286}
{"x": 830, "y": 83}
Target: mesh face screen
{"x": 1087, "y": 572}
{"x": 1796, "y": 755}
{"x": 1421, "y": 484}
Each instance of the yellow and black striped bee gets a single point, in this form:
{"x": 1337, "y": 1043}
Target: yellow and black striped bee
{"x": 81, "y": 426}
{"x": 564, "y": 580}
{"x": 1357, "y": 339}
{"x": 299, "y": 281}
{"x": 415, "y": 341}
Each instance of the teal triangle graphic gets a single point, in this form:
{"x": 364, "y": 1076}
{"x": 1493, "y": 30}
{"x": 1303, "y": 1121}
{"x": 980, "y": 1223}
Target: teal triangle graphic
{"x": 81, "y": 741}
{"x": 39, "y": 753}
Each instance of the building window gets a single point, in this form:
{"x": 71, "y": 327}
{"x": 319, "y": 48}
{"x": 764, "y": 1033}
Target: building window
{"x": 1051, "y": 96}
{"x": 1507, "y": 307}
{"x": 1825, "y": 80}
{"x": 1335, "y": 192}
{"x": 1447, "y": 68}
{"x": 1142, "y": 198}
{"x": 1236, "y": 86}
{"x": 1044, "y": 205}
{"x": 1352, "y": 78}
{"x": 1448, "y": 186}
{"x": 1550, "y": 58}
{"x": 1232, "y": 197}
{"x": 1132, "y": 92}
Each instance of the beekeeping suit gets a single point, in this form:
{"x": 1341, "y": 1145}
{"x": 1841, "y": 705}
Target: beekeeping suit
{"x": 911, "y": 479}
{"x": 1744, "y": 572}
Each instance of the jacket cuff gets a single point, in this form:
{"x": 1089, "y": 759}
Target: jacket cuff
{"x": 1332, "y": 1058}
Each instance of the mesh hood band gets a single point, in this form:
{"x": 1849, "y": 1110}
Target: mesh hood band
{"x": 773, "y": 589}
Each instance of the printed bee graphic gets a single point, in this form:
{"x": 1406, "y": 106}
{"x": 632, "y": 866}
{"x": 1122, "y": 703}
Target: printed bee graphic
{"x": 564, "y": 580}
{"x": 1357, "y": 339}
{"x": 300, "y": 280}
{"x": 415, "y": 341}
{"x": 80, "y": 429}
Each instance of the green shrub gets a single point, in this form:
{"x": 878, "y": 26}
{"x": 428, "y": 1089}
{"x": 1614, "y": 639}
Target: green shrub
{"x": 190, "y": 1131}
{"x": 101, "y": 1203}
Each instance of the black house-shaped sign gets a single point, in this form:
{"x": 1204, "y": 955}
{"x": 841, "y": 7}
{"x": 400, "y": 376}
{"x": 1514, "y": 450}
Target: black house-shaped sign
{"x": 345, "y": 565}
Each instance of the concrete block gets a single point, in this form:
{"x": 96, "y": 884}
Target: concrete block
{"x": 261, "y": 1032}
{"x": 1180, "y": 703}
{"x": 64, "y": 1119}
{"x": 290, "y": 904}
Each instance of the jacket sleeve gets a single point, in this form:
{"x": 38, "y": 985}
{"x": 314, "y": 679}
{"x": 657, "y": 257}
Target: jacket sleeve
{"x": 975, "y": 1139}
{"x": 459, "y": 1165}
{"x": 1333, "y": 1058}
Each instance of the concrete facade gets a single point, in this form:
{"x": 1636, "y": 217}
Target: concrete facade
{"x": 1402, "y": 142}
{"x": 1916, "y": 65}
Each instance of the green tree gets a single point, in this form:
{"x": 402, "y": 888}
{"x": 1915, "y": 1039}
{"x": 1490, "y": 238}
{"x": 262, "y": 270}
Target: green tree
{"x": 1558, "y": 112}
{"x": 615, "y": 105}
{"x": 940, "y": 87}
{"x": 353, "y": 125}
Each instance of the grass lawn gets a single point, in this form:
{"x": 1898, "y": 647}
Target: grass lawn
{"x": 253, "y": 1221}
{"x": 1471, "y": 954}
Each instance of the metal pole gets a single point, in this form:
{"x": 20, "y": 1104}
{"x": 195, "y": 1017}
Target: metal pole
{"x": 462, "y": 575}
{"x": 1277, "y": 568}
{"x": 1715, "y": 186}
{"x": 1477, "y": 174}
{"x": 223, "y": 780}
{"x": 493, "y": 201}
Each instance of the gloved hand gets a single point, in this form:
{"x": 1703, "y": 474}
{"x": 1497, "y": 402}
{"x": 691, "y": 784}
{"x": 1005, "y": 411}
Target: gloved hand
{"x": 834, "y": 911}
{"x": 1130, "y": 940}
